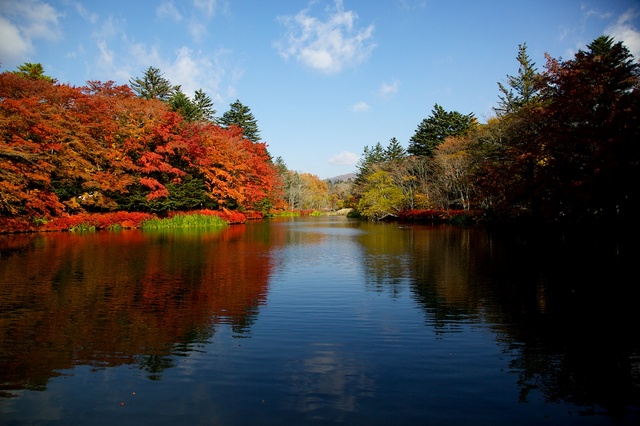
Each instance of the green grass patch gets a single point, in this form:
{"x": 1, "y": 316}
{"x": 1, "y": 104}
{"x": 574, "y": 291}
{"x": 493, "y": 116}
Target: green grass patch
{"x": 39, "y": 221}
{"x": 289, "y": 214}
{"x": 82, "y": 227}
{"x": 184, "y": 221}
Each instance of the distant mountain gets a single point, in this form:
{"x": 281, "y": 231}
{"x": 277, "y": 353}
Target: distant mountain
{"x": 342, "y": 178}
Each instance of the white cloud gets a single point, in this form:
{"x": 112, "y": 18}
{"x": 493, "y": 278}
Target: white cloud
{"x": 39, "y": 20}
{"x": 197, "y": 30}
{"x": 111, "y": 27}
{"x": 13, "y": 44}
{"x": 24, "y": 21}
{"x": 208, "y": 7}
{"x": 624, "y": 31}
{"x": 327, "y": 46}
{"x": 168, "y": 10}
{"x": 345, "y": 158}
{"x": 388, "y": 90}
{"x": 108, "y": 65}
{"x": 106, "y": 54}
{"x": 118, "y": 57}
{"x": 360, "y": 107}
{"x": 85, "y": 14}
{"x": 187, "y": 70}
{"x": 588, "y": 11}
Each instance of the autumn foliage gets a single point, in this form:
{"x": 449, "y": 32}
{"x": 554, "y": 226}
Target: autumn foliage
{"x": 114, "y": 220}
{"x": 563, "y": 149}
{"x": 96, "y": 149}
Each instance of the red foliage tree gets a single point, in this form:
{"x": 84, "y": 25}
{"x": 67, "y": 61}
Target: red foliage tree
{"x": 71, "y": 150}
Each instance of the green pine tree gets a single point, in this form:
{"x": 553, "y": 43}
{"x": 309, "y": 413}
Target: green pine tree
{"x": 181, "y": 103}
{"x": 432, "y": 131}
{"x": 153, "y": 85}
{"x": 204, "y": 105}
{"x": 522, "y": 88}
{"x": 241, "y": 116}
{"x": 33, "y": 72}
{"x": 394, "y": 151}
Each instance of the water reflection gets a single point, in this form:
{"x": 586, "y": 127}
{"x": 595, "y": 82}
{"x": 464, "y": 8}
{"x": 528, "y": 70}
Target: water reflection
{"x": 568, "y": 310}
{"x": 328, "y": 384}
{"x": 107, "y": 299}
{"x": 333, "y": 320}
{"x": 560, "y": 303}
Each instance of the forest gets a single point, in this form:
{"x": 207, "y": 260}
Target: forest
{"x": 563, "y": 147}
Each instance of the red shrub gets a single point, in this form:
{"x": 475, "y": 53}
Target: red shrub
{"x": 254, "y": 215}
{"x": 127, "y": 220}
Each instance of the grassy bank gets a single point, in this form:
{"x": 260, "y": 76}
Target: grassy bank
{"x": 184, "y": 221}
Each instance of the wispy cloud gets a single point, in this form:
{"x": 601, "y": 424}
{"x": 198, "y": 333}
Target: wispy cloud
{"x": 387, "y": 90}
{"x": 86, "y": 14}
{"x": 412, "y": 6}
{"x": 194, "y": 70}
{"x": 203, "y": 12}
{"x": 328, "y": 46}
{"x": 624, "y": 31}
{"x": 345, "y": 158}
{"x": 198, "y": 30}
{"x": 118, "y": 56}
{"x": 360, "y": 107}
{"x": 588, "y": 11}
{"x": 168, "y": 10}
{"x": 24, "y": 21}
{"x": 207, "y": 7}
{"x": 196, "y": 16}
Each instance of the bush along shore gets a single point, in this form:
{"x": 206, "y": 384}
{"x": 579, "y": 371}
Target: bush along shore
{"x": 127, "y": 220}
{"x": 215, "y": 218}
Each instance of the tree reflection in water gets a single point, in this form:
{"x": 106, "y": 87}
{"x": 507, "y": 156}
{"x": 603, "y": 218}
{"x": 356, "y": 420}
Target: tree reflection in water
{"x": 560, "y": 302}
{"x": 108, "y": 299}
{"x": 558, "y": 306}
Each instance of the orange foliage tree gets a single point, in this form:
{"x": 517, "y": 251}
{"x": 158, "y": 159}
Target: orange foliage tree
{"x": 97, "y": 148}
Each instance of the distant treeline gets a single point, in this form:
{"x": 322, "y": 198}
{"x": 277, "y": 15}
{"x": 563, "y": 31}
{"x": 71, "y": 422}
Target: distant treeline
{"x": 564, "y": 146}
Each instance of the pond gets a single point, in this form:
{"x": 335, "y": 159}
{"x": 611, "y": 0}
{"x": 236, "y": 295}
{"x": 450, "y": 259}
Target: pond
{"x": 319, "y": 321}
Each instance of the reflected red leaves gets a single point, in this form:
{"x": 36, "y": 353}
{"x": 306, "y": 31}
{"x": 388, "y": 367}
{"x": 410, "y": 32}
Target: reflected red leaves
{"x": 107, "y": 299}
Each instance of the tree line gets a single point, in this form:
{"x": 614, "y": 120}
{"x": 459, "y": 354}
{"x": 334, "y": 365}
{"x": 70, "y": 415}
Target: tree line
{"x": 146, "y": 147}
{"x": 563, "y": 146}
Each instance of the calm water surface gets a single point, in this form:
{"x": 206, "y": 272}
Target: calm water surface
{"x": 319, "y": 321}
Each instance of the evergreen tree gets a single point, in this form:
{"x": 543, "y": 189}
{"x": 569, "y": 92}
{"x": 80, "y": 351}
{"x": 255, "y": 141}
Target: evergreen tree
{"x": 204, "y": 105}
{"x": 394, "y": 151}
{"x": 181, "y": 103}
{"x": 281, "y": 166}
{"x": 241, "y": 116}
{"x": 153, "y": 85}
{"x": 33, "y": 72}
{"x": 198, "y": 109}
{"x": 524, "y": 85}
{"x": 432, "y": 131}
{"x": 370, "y": 157}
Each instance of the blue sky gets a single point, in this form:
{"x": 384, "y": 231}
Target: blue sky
{"x": 325, "y": 78}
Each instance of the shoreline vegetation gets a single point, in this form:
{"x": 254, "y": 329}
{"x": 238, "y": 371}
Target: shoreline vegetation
{"x": 116, "y": 221}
